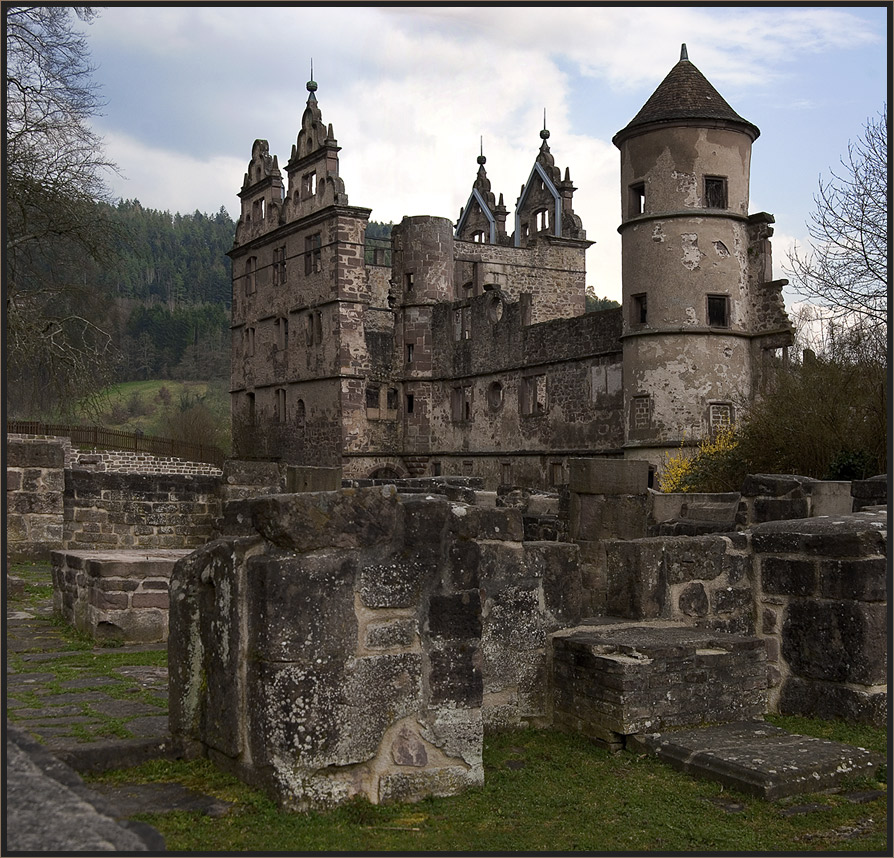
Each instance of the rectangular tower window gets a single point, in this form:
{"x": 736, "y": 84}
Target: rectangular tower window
{"x": 391, "y": 399}
{"x": 641, "y": 416}
{"x": 715, "y": 192}
{"x": 639, "y": 309}
{"x": 636, "y": 199}
{"x": 718, "y": 311}
{"x": 309, "y": 329}
{"x": 312, "y": 254}
{"x": 408, "y": 281}
{"x": 720, "y": 416}
{"x": 249, "y": 342}
{"x": 250, "y": 408}
{"x": 308, "y": 185}
{"x": 409, "y": 353}
{"x": 318, "y": 326}
{"x": 411, "y": 403}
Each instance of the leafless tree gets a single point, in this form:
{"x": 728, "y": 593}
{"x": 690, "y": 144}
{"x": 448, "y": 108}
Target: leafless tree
{"x": 847, "y": 268}
{"x": 54, "y": 229}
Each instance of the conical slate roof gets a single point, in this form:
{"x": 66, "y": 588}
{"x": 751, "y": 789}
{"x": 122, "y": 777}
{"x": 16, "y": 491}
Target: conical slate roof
{"x": 684, "y": 94}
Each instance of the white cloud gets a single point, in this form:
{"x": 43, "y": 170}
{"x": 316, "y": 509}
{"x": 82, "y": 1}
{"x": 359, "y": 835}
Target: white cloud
{"x": 168, "y": 180}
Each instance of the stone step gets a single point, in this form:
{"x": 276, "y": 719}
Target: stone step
{"x": 758, "y": 758}
{"x": 613, "y": 678}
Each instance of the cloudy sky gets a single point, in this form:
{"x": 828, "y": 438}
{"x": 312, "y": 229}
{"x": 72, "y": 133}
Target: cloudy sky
{"x": 411, "y": 90}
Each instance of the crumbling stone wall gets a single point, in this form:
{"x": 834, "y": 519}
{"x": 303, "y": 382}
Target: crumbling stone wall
{"x": 107, "y": 510}
{"x": 359, "y": 641}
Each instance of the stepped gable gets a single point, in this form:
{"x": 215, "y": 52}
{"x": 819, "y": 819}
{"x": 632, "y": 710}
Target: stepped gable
{"x": 683, "y": 95}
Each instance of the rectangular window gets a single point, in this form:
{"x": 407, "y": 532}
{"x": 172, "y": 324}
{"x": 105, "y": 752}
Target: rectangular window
{"x": 280, "y": 405}
{"x": 308, "y": 185}
{"x": 282, "y": 333}
{"x": 408, "y": 281}
{"x": 391, "y": 399}
{"x": 533, "y": 395}
{"x": 715, "y": 192}
{"x": 411, "y": 403}
{"x": 409, "y": 353}
{"x": 250, "y": 408}
{"x": 313, "y": 258}
{"x": 251, "y": 271}
{"x": 557, "y": 473}
{"x": 461, "y": 403}
{"x": 436, "y": 469}
{"x": 249, "y": 342}
{"x": 721, "y": 416}
{"x": 279, "y": 266}
{"x": 639, "y": 309}
{"x": 641, "y": 418}
{"x": 636, "y": 199}
{"x": 309, "y": 329}
{"x": 506, "y": 473}
{"x": 372, "y": 400}
{"x": 318, "y": 326}
{"x": 718, "y": 311}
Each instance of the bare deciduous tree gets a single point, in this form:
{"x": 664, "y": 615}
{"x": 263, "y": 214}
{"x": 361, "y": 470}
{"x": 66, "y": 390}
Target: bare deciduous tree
{"x": 847, "y": 268}
{"x": 53, "y": 230}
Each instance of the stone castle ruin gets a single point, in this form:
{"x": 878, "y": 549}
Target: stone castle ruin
{"x": 471, "y": 353}
{"x": 439, "y": 519}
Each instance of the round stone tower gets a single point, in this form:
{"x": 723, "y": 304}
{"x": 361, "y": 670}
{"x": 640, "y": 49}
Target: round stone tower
{"x": 687, "y": 275}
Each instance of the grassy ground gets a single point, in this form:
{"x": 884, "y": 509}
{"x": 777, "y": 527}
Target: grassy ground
{"x": 543, "y": 791}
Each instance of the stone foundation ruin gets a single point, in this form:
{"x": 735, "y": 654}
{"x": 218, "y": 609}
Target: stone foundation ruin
{"x": 361, "y": 641}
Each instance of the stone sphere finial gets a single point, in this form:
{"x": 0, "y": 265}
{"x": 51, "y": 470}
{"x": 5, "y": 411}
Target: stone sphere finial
{"x": 311, "y": 84}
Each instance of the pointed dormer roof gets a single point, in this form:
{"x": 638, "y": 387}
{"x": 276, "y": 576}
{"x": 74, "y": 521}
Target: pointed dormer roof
{"x": 482, "y": 200}
{"x": 685, "y": 95}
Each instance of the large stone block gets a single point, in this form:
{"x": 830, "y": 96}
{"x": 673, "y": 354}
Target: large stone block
{"x": 836, "y": 641}
{"x": 786, "y": 576}
{"x": 300, "y": 608}
{"x": 829, "y": 701}
{"x": 636, "y": 586}
{"x": 608, "y": 476}
{"x": 34, "y": 454}
{"x": 861, "y": 580}
{"x": 349, "y": 518}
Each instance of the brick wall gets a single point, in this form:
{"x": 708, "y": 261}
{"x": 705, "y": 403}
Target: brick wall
{"x": 125, "y": 462}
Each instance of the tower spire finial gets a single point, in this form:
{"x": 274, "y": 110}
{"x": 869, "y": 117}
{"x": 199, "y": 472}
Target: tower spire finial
{"x": 544, "y": 134}
{"x": 481, "y": 159}
{"x": 684, "y": 55}
{"x": 311, "y": 84}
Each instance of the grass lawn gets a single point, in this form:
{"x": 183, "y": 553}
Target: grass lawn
{"x": 543, "y": 791}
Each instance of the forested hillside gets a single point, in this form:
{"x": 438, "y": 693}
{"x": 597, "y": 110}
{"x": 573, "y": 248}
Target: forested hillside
{"x": 169, "y": 289}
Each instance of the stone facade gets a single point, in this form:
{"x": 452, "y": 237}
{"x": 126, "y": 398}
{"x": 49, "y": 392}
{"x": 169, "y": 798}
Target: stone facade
{"x": 471, "y": 354}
